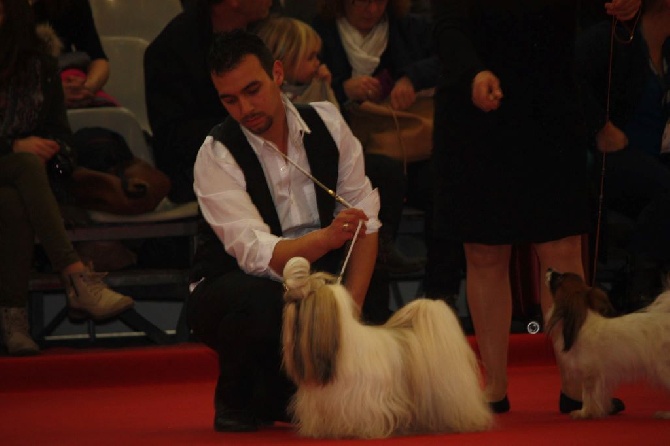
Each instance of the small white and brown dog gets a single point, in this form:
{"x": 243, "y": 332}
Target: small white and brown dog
{"x": 604, "y": 351}
{"x": 415, "y": 374}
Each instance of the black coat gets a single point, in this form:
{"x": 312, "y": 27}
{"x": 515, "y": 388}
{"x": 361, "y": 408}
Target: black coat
{"x": 517, "y": 174}
{"x": 182, "y": 103}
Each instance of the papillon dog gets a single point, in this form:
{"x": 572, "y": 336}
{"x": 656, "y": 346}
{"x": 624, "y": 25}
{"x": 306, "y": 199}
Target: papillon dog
{"x": 604, "y": 351}
{"x": 415, "y": 374}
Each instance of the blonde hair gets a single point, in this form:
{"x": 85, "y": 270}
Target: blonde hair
{"x": 289, "y": 40}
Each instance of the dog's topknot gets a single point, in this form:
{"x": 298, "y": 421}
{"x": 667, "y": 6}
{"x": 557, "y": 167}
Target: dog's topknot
{"x": 296, "y": 279}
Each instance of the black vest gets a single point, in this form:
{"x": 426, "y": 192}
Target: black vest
{"x": 211, "y": 259}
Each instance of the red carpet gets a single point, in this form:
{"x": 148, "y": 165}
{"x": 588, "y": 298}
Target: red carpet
{"x": 163, "y": 396}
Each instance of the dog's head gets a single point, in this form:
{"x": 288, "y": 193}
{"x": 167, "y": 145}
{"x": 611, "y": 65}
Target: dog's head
{"x": 311, "y": 324}
{"x": 573, "y": 298}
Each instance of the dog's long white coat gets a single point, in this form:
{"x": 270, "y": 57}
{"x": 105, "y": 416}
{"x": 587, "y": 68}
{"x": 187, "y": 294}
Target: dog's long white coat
{"x": 611, "y": 351}
{"x": 417, "y": 373}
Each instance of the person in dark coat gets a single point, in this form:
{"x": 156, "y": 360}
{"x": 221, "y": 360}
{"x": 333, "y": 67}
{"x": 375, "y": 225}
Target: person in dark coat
{"x": 631, "y": 138}
{"x": 512, "y": 153}
{"x": 182, "y": 103}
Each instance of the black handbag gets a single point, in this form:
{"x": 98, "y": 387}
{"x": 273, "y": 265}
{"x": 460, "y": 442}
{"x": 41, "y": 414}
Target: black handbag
{"x": 61, "y": 165}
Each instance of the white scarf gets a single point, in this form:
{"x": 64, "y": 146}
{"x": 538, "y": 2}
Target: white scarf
{"x": 363, "y": 52}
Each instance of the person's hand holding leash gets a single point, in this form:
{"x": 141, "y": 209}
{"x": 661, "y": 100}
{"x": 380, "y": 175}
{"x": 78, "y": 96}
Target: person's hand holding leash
{"x": 486, "y": 92}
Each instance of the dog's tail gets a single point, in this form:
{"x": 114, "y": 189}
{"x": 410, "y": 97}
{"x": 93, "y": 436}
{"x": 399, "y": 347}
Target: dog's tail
{"x": 446, "y": 376}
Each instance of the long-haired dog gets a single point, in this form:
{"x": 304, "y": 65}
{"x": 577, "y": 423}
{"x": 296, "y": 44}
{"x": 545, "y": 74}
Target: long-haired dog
{"x": 606, "y": 351}
{"x": 416, "y": 373}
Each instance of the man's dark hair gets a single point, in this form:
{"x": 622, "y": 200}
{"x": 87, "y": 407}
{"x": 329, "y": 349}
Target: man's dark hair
{"x": 228, "y": 49}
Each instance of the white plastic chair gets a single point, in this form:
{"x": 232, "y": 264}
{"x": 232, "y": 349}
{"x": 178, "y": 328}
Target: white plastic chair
{"x": 133, "y": 18}
{"x": 126, "y": 79}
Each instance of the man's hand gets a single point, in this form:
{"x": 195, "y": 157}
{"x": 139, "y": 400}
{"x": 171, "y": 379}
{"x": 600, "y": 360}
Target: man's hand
{"x": 324, "y": 74}
{"x": 486, "y": 92}
{"x": 343, "y": 227}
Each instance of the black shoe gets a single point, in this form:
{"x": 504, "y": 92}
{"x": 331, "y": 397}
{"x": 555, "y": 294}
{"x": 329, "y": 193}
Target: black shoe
{"x": 567, "y": 405}
{"x": 226, "y": 420}
{"x": 501, "y": 406}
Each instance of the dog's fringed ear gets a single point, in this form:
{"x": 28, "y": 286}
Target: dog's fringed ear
{"x": 311, "y": 324}
{"x": 296, "y": 279}
{"x": 321, "y": 337}
{"x": 310, "y": 350}
{"x": 570, "y": 308}
{"x": 599, "y": 302}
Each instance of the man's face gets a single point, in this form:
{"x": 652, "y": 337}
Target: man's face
{"x": 250, "y": 95}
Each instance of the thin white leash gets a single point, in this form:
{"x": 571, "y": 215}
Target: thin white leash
{"x": 351, "y": 248}
{"x": 337, "y": 198}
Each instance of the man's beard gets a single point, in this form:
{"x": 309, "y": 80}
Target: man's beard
{"x": 262, "y": 128}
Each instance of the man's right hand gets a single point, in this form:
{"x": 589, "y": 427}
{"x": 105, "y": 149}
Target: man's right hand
{"x": 343, "y": 227}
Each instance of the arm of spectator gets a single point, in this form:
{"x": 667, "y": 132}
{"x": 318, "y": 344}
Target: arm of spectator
{"x": 97, "y": 75}
{"x": 362, "y": 88}
{"x": 403, "y": 94}
{"x": 453, "y": 37}
{"x": 592, "y": 52}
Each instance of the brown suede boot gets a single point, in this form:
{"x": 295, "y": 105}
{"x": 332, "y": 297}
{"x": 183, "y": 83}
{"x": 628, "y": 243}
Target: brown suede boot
{"x": 15, "y": 333}
{"x": 88, "y": 296}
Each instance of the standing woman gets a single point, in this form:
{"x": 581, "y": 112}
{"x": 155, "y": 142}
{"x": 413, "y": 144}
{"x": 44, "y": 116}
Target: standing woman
{"x": 32, "y": 121}
{"x": 510, "y": 144}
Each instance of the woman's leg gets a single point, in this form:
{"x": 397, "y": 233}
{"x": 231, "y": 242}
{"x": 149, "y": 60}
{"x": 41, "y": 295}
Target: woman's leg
{"x": 564, "y": 255}
{"x": 26, "y": 173}
{"x": 490, "y": 301}
{"x": 17, "y": 242}
{"x": 87, "y": 294}
{"x": 16, "y": 248}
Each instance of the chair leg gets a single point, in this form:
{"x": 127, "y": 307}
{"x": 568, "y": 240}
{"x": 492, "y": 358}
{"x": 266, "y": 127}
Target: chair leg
{"x": 51, "y": 326}
{"x": 139, "y": 323}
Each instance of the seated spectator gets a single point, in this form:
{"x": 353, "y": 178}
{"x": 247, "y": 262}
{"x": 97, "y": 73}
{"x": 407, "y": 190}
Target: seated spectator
{"x": 182, "y": 103}
{"x": 297, "y": 46}
{"x": 637, "y": 180}
{"x": 32, "y": 122}
{"x": 375, "y": 50}
{"x": 83, "y": 64}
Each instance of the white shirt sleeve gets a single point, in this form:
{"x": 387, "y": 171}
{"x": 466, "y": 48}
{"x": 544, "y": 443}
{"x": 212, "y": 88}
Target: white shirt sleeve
{"x": 220, "y": 187}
